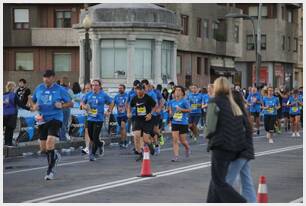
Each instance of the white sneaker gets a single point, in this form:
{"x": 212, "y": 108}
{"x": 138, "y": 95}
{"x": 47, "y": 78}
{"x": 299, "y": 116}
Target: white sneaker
{"x": 271, "y": 141}
{"x": 49, "y": 176}
{"x": 68, "y": 138}
{"x": 297, "y": 134}
{"x": 293, "y": 134}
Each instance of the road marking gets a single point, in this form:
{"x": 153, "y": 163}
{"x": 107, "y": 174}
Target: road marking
{"x": 105, "y": 186}
{"x": 84, "y": 161}
{"x": 300, "y": 200}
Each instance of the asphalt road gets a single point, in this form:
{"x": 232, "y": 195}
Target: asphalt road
{"x": 113, "y": 178}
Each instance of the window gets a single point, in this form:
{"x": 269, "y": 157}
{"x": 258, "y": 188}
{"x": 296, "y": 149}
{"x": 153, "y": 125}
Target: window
{"x": 114, "y": 58}
{"x": 63, "y": 19}
{"x": 290, "y": 16}
{"x": 284, "y": 43}
{"x": 62, "y": 62}
{"x": 178, "y": 64}
{"x": 253, "y": 11}
{"x": 250, "y": 42}
{"x": 166, "y": 60}
{"x": 206, "y": 31}
{"x": 199, "y": 27}
{"x": 184, "y": 23}
{"x": 236, "y": 34}
{"x": 199, "y": 65}
{"x": 283, "y": 13}
{"x": 289, "y": 43}
{"x": 206, "y": 66}
{"x": 263, "y": 42}
{"x": 296, "y": 44}
{"x": 215, "y": 29}
{"x": 21, "y": 18}
{"x": 24, "y": 61}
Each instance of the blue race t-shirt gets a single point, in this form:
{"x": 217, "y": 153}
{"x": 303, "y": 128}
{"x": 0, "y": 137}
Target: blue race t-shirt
{"x": 159, "y": 98}
{"x": 46, "y": 97}
{"x": 120, "y": 101}
{"x": 131, "y": 95}
{"x": 285, "y": 107}
{"x": 301, "y": 100}
{"x": 177, "y": 116}
{"x": 294, "y": 108}
{"x": 255, "y": 100}
{"x": 96, "y": 102}
{"x": 205, "y": 99}
{"x": 195, "y": 101}
{"x": 272, "y": 103}
{"x": 152, "y": 94}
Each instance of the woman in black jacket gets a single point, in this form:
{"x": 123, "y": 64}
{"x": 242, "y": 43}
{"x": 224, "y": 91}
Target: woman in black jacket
{"x": 226, "y": 134}
{"x": 241, "y": 165}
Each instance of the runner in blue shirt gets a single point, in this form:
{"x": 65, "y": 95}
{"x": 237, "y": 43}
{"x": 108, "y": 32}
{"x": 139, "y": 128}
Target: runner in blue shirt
{"x": 179, "y": 109}
{"x": 285, "y": 109}
{"x": 50, "y": 99}
{"x": 121, "y": 102}
{"x": 254, "y": 102}
{"x": 132, "y": 119}
{"x": 196, "y": 102}
{"x": 93, "y": 102}
{"x": 270, "y": 105}
{"x": 294, "y": 104}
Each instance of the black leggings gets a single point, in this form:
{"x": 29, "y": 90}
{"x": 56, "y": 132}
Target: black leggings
{"x": 94, "y": 129}
{"x": 219, "y": 190}
{"x": 9, "y": 122}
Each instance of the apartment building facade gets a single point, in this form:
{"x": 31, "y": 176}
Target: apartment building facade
{"x": 279, "y": 44}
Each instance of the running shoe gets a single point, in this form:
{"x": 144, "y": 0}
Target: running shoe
{"x": 297, "y": 134}
{"x": 101, "y": 149}
{"x": 157, "y": 151}
{"x": 85, "y": 150}
{"x": 271, "y": 141}
{"x": 293, "y": 134}
{"x": 175, "y": 159}
{"x": 161, "y": 140}
{"x": 92, "y": 157}
{"x": 49, "y": 176}
{"x": 58, "y": 158}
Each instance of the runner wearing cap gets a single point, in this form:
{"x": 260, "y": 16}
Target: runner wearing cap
{"x": 50, "y": 99}
{"x": 144, "y": 105}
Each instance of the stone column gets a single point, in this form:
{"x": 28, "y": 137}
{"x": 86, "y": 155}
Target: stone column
{"x": 130, "y": 59}
{"x": 157, "y": 62}
{"x": 82, "y": 62}
{"x": 95, "y": 61}
{"x": 173, "y": 68}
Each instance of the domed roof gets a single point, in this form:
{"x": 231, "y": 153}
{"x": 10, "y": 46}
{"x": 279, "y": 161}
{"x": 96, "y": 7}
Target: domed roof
{"x": 142, "y": 15}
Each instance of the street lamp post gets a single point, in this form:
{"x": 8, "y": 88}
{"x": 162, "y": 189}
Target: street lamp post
{"x": 87, "y": 24}
{"x": 257, "y": 55}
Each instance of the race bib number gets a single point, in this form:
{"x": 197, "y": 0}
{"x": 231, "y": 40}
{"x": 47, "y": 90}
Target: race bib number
{"x": 178, "y": 116}
{"x": 141, "y": 111}
{"x": 194, "y": 106}
{"x": 93, "y": 112}
{"x": 270, "y": 110}
{"x": 121, "y": 109}
{"x": 295, "y": 109}
{"x": 254, "y": 99}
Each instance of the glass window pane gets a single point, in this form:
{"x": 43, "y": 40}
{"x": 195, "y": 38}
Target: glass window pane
{"x": 107, "y": 44}
{"x": 143, "y": 59}
{"x": 121, "y": 60}
{"x": 253, "y": 11}
{"x": 59, "y": 15}
{"x": 178, "y": 64}
{"x": 138, "y": 64}
{"x": 62, "y": 62}
{"x": 108, "y": 67}
{"x": 147, "y": 71}
{"x": 24, "y": 61}
{"x": 67, "y": 15}
{"x": 59, "y": 23}
{"x": 21, "y": 15}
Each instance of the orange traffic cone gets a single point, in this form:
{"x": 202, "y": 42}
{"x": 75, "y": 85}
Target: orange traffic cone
{"x": 262, "y": 194}
{"x": 146, "y": 163}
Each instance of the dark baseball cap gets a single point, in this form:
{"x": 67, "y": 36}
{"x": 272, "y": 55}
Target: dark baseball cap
{"x": 49, "y": 73}
{"x": 136, "y": 82}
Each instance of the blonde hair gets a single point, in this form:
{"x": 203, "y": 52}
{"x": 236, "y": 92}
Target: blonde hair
{"x": 10, "y": 86}
{"x": 223, "y": 87}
